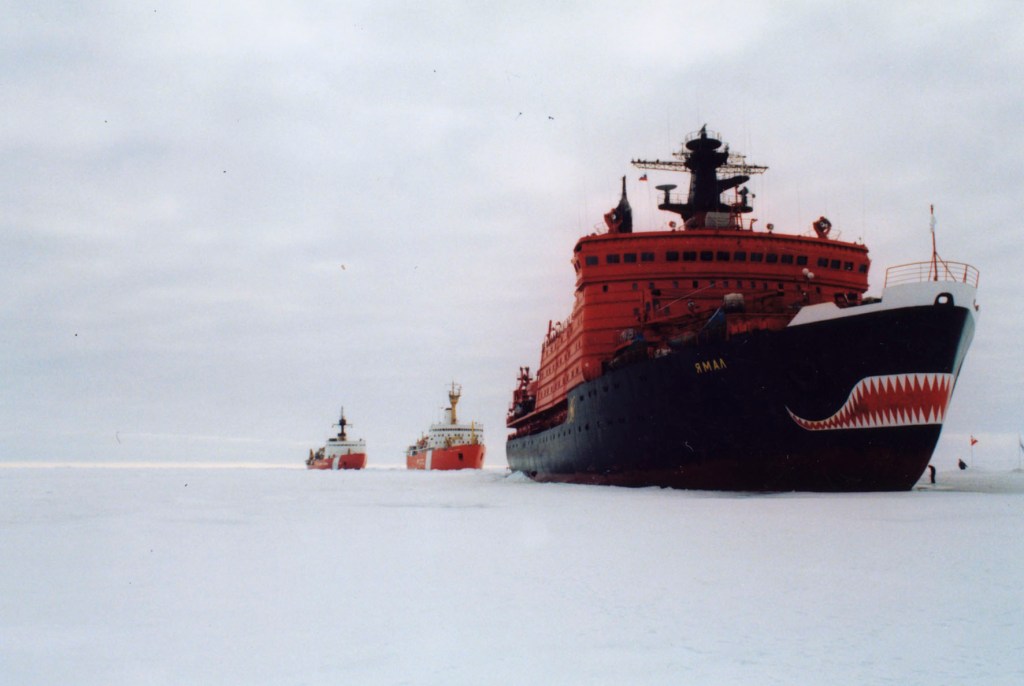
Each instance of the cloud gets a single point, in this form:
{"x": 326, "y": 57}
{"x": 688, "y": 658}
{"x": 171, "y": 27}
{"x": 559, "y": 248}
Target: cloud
{"x": 182, "y": 188}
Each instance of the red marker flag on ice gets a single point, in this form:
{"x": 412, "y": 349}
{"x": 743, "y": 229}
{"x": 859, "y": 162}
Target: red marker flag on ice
{"x": 973, "y": 440}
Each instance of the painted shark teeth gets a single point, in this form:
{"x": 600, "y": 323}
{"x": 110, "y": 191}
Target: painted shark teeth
{"x": 887, "y": 401}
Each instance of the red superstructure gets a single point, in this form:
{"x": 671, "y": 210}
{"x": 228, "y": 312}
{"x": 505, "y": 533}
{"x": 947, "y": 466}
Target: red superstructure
{"x": 662, "y": 286}
{"x": 449, "y": 444}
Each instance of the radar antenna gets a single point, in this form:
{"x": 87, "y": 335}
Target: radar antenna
{"x": 735, "y": 164}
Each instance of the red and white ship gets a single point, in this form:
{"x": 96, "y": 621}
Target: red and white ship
{"x": 449, "y": 444}
{"x": 339, "y": 452}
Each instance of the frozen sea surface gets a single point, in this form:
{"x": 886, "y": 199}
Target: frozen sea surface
{"x": 282, "y": 576}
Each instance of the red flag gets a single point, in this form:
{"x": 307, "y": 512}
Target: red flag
{"x": 644, "y": 177}
{"x": 973, "y": 440}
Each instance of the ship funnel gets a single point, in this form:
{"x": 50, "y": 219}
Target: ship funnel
{"x": 620, "y": 219}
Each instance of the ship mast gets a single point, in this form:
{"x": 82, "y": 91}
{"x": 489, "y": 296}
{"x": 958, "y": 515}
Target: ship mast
{"x": 935, "y": 253}
{"x": 341, "y": 425}
{"x": 701, "y": 157}
{"x": 453, "y": 397}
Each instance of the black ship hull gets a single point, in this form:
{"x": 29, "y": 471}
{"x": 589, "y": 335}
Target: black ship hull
{"x": 852, "y": 403}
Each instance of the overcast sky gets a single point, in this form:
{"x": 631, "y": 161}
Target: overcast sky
{"x": 221, "y": 223}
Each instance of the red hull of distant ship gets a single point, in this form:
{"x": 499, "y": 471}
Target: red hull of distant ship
{"x": 456, "y": 457}
{"x": 353, "y": 461}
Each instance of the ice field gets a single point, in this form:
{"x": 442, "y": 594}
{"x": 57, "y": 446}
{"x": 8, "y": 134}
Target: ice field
{"x": 191, "y": 575}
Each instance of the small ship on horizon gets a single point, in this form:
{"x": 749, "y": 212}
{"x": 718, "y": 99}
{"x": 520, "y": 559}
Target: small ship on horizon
{"x": 449, "y": 444}
{"x": 339, "y": 452}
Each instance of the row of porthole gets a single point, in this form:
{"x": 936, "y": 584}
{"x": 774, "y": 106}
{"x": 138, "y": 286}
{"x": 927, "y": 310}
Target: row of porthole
{"x": 726, "y": 256}
{"x": 586, "y": 427}
{"x": 713, "y": 283}
{"x": 604, "y": 388}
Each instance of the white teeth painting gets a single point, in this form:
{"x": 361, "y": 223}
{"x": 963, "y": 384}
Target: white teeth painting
{"x": 889, "y": 401}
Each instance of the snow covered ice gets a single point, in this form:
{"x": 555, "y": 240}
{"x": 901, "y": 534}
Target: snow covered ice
{"x": 281, "y": 576}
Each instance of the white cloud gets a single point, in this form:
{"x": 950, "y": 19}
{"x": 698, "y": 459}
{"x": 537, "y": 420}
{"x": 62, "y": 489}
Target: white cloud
{"x": 182, "y": 188}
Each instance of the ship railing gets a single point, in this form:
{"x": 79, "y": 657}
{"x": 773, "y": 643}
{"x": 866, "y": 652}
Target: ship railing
{"x": 934, "y": 270}
{"x": 673, "y": 198}
{"x": 728, "y": 219}
{"x": 683, "y": 198}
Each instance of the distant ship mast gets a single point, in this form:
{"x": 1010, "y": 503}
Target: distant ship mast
{"x": 453, "y": 397}
{"x": 342, "y": 423}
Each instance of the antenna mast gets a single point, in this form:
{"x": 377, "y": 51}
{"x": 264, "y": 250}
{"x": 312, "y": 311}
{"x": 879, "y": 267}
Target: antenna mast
{"x": 453, "y": 397}
{"x": 701, "y": 156}
{"x": 341, "y": 425}
{"x": 935, "y": 255}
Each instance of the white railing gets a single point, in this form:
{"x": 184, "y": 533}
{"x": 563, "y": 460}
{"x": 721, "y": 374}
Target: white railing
{"x": 936, "y": 270}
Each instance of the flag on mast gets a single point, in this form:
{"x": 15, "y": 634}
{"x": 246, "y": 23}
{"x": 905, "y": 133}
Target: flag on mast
{"x": 973, "y": 440}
